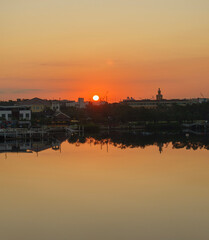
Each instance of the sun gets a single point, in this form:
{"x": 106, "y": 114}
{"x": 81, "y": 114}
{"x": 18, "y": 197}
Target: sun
{"x": 96, "y": 98}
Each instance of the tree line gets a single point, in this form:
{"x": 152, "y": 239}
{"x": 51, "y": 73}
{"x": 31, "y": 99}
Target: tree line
{"x": 122, "y": 113}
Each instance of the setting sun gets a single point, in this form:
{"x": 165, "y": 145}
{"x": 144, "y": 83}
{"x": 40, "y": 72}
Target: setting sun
{"x": 96, "y": 98}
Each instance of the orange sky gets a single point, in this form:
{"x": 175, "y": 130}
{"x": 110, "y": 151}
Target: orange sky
{"x": 119, "y": 48}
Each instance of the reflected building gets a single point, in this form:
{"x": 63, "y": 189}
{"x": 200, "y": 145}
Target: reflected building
{"x": 116, "y": 139}
{"x": 139, "y": 140}
{"x": 19, "y": 146}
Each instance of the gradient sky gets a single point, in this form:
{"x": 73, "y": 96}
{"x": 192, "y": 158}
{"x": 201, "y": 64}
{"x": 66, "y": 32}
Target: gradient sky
{"x": 118, "y": 48}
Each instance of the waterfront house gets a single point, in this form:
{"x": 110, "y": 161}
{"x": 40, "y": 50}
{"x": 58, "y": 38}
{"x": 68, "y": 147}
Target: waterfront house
{"x": 19, "y": 113}
{"x": 61, "y": 118}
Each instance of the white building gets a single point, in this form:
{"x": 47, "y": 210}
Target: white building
{"x": 79, "y": 104}
{"x": 55, "y": 106}
{"x": 9, "y": 113}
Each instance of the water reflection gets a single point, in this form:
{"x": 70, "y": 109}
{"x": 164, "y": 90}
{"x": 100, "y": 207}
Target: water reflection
{"x": 142, "y": 140}
{"x": 86, "y": 193}
{"x": 38, "y": 145}
{"x": 121, "y": 140}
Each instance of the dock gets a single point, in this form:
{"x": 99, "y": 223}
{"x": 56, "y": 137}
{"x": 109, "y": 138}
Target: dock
{"x": 36, "y": 133}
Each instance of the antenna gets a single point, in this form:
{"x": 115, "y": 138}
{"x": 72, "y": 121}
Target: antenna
{"x": 105, "y": 97}
{"x": 202, "y": 95}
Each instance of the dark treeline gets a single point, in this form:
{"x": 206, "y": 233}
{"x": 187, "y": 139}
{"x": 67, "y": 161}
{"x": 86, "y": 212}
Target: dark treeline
{"x": 121, "y": 113}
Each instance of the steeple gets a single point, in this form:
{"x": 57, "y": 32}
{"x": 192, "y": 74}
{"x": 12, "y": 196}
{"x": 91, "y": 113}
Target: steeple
{"x": 159, "y": 96}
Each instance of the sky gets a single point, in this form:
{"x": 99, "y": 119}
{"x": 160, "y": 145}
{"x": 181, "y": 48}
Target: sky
{"x": 114, "y": 48}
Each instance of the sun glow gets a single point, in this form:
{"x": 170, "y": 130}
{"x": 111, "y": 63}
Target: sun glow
{"x": 96, "y": 98}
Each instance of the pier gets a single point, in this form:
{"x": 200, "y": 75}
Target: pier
{"x": 37, "y": 133}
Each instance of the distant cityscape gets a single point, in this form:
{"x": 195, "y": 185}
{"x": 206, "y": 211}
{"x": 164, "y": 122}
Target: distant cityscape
{"x": 154, "y": 103}
{"x": 22, "y": 109}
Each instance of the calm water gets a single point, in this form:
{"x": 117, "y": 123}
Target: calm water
{"x": 101, "y": 190}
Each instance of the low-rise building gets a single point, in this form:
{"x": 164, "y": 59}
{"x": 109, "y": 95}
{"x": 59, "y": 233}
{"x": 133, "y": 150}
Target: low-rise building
{"x": 70, "y": 104}
{"x": 36, "y": 104}
{"x": 159, "y": 101}
{"x": 19, "y": 113}
{"x": 55, "y": 106}
{"x": 61, "y": 118}
{"x": 151, "y": 104}
{"x": 79, "y": 104}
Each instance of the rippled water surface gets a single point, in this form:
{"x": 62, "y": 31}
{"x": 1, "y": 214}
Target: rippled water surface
{"x": 105, "y": 191}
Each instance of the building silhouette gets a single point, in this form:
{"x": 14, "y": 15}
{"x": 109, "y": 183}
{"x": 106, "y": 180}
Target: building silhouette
{"x": 159, "y": 96}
